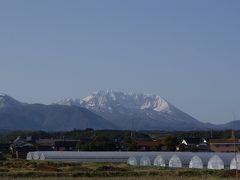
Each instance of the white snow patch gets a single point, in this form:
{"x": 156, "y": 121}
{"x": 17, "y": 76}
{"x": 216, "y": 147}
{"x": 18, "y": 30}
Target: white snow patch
{"x": 88, "y": 98}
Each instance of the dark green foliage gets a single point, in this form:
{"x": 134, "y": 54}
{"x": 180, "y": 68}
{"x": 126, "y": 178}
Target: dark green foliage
{"x": 127, "y": 144}
{"x": 171, "y": 142}
{"x": 102, "y": 143}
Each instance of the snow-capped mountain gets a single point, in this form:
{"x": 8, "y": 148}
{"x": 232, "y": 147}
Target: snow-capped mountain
{"x": 138, "y": 111}
{"x": 107, "y": 100}
{"x": 101, "y": 110}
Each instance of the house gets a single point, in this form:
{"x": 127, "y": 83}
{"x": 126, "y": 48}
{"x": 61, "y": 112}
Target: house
{"x": 148, "y": 145}
{"x": 193, "y": 145}
{"x": 56, "y": 144}
{"x": 20, "y": 147}
{"x": 66, "y": 145}
{"x": 224, "y": 145}
{"x": 45, "y": 144}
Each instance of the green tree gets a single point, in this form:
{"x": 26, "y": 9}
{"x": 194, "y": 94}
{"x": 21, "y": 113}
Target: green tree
{"x": 102, "y": 143}
{"x": 128, "y": 144}
{"x": 171, "y": 142}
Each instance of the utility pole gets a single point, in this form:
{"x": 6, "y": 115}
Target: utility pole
{"x": 235, "y": 146}
{"x": 211, "y": 133}
{"x": 235, "y": 152}
{"x": 132, "y": 129}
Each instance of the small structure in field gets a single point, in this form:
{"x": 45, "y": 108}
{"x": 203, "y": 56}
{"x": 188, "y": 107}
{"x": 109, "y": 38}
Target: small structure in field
{"x": 132, "y": 161}
{"x": 235, "y": 162}
{"x": 159, "y": 161}
{"x": 145, "y": 161}
{"x": 196, "y": 163}
{"x": 175, "y": 162}
{"x": 215, "y": 162}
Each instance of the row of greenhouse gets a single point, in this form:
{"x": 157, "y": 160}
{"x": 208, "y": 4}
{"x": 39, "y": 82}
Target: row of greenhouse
{"x": 197, "y": 160}
{"x": 215, "y": 162}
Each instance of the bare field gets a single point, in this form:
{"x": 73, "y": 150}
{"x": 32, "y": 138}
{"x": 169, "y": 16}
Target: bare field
{"x": 39, "y": 170}
{"x": 125, "y": 178}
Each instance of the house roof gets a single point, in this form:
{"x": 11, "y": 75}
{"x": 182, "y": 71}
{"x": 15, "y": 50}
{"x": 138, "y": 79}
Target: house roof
{"x": 19, "y": 142}
{"x": 224, "y": 141}
{"x": 46, "y": 142}
{"x": 194, "y": 140}
{"x": 67, "y": 143}
{"x": 149, "y": 143}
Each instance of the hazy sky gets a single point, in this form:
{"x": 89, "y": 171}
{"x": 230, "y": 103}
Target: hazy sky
{"x": 186, "y": 51}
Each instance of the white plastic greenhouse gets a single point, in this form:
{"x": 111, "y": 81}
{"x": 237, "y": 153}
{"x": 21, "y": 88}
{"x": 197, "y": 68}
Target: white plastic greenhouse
{"x": 215, "y": 162}
{"x": 175, "y": 162}
{"x": 145, "y": 161}
{"x": 196, "y": 163}
{"x": 196, "y": 160}
{"x": 233, "y": 164}
{"x": 132, "y": 161}
{"x": 159, "y": 161}
{"x": 36, "y": 155}
{"x": 30, "y": 156}
{"x": 83, "y": 156}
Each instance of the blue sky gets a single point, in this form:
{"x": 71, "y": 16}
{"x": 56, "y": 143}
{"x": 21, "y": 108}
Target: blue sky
{"x": 186, "y": 51}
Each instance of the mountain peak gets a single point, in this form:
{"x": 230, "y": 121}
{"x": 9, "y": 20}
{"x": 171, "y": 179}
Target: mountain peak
{"x": 134, "y": 101}
{"x": 138, "y": 110}
{"x": 7, "y": 101}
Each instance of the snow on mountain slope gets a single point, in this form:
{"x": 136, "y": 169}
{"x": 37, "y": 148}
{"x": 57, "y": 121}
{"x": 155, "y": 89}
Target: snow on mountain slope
{"x": 107, "y": 100}
{"x": 70, "y": 102}
{"x": 140, "y": 111}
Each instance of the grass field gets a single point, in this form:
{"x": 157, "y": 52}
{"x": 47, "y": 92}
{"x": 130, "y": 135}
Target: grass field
{"x": 39, "y": 170}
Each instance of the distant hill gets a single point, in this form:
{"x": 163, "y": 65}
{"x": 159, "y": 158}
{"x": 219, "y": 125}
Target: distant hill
{"x": 19, "y": 116}
{"x": 235, "y": 125}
